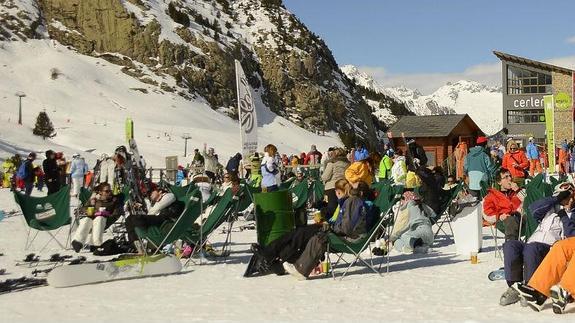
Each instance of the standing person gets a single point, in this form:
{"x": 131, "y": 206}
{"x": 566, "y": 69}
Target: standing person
{"x": 399, "y": 168}
{"x": 210, "y": 163}
{"x": 51, "y": 172}
{"x": 61, "y": 162}
{"x": 255, "y": 170}
{"x": 385, "y": 165}
{"x": 533, "y": 157}
{"x": 334, "y": 171}
{"x": 564, "y": 157}
{"x": 198, "y": 160}
{"x": 9, "y": 170}
{"x": 416, "y": 154}
{"x": 313, "y": 157}
{"x": 26, "y": 173}
{"x": 477, "y": 166}
{"x": 516, "y": 162}
{"x": 460, "y": 155}
{"x": 78, "y": 169}
{"x": 270, "y": 169}
{"x": 233, "y": 165}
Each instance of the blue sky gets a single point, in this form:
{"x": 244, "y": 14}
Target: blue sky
{"x": 413, "y": 42}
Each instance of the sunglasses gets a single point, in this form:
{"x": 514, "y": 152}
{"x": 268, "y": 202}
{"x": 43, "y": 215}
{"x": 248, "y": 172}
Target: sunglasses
{"x": 106, "y": 191}
{"x": 506, "y": 176}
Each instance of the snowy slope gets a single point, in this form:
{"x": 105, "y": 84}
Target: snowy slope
{"x": 90, "y": 99}
{"x": 481, "y": 102}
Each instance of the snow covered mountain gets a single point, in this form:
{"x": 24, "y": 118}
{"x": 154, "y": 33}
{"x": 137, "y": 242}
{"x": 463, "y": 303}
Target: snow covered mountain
{"x": 481, "y": 102}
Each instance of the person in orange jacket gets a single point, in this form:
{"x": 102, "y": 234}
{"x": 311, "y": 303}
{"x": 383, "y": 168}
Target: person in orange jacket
{"x": 515, "y": 161}
{"x": 504, "y": 204}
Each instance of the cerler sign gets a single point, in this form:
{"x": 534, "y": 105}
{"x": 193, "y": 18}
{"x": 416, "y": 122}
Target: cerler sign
{"x": 530, "y": 102}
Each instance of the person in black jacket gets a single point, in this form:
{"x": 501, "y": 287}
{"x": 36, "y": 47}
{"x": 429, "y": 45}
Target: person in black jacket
{"x": 29, "y": 173}
{"x": 51, "y": 172}
{"x": 165, "y": 207}
{"x": 233, "y": 165}
{"x": 416, "y": 154}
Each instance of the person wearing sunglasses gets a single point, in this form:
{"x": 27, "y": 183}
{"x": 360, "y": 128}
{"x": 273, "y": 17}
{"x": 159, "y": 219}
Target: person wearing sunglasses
{"x": 516, "y": 162}
{"x": 100, "y": 208}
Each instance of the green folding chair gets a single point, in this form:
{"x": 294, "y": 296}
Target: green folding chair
{"x": 46, "y": 214}
{"x": 170, "y": 231}
{"x": 222, "y": 212}
{"x": 387, "y": 198}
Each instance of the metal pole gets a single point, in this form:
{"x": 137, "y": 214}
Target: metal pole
{"x": 20, "y": 95}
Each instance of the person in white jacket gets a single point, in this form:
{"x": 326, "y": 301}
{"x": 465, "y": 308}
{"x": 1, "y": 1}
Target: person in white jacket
{"x": 78, "y": 170}
{"x": 399, "y": 168}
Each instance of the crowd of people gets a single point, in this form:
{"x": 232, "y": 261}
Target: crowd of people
{"x": 536, "y": 269}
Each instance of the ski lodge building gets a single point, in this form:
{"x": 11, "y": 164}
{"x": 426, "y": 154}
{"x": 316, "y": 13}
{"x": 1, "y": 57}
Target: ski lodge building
{"x": 437, "y": 134}
{"x": 525, "y": 83}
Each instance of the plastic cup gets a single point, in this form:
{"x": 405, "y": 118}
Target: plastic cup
{"x": 474, "y": 257}
{"x": 325, "y": 267}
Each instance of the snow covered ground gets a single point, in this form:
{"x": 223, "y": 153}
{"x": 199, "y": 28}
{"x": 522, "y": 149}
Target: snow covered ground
{"x": 90, "y": 99}
{"x": 438, "y": 286}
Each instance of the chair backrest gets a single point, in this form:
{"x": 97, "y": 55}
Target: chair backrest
{"x": 48, "y": 212}
{"x": 181, "y": 191}
{"x": 190, "y": 214}
{"x": 300, "y": 194}
{"x": 219, "y": 212}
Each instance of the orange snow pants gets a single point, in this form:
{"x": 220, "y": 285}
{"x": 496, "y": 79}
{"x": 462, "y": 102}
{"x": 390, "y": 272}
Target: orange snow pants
{"x": 558, "y": 267}
{"x": 534, "y": 166}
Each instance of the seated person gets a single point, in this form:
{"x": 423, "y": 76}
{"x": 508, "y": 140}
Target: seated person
{"x": 554, "y": 278}
{"x": 522, "y": 259}
{"x": 204, "y": 184}
{"x": 299, "y": 251}
{"x": 165, "y": 207}
{"x": 412, "y": 230}
{"x": 450, "y": 183}
{"x": 102, "y": 207}
{"x": 504, "y": 204}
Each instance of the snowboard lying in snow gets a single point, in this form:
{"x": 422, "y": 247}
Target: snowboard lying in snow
{"x": 100, "y": 272}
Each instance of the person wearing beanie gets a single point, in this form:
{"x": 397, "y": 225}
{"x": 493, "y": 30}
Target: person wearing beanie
{"x": 477, "y": 165}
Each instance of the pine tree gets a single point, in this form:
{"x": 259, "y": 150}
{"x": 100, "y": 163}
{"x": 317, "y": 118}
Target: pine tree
{"x": 43, "y": 126}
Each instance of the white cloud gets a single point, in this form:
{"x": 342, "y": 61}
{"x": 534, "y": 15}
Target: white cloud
{"x": 570, "y": 40}
{"x": 427, "y": 83}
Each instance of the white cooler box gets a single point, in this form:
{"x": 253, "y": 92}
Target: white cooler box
{"x": 468, "y": 230}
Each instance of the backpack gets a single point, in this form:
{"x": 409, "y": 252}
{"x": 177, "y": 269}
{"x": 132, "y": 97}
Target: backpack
{"x": 22, "y": 172}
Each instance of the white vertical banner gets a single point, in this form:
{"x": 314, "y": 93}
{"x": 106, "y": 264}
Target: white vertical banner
{"x": 247, "y": 113}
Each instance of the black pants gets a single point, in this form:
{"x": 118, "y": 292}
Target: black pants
{"x": 290, "y": 246}
{"x": 211, "y": 175}
{"x": 511, "y": 224}
{"x": 142, "y": 221}
{"x": 53, "y": 186}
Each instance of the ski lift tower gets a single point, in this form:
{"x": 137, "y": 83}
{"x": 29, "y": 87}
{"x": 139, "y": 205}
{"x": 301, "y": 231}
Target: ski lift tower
{"x": 186, "y": 136}
{"x": 20, "y": 95}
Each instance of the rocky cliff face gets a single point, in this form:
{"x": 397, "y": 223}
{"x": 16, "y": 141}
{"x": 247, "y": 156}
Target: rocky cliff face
{"x": 195, "y": 42}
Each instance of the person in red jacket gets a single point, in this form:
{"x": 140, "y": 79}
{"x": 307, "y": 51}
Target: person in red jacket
{"x": 515, "y": 161}
{"x": 505, "y": 204}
